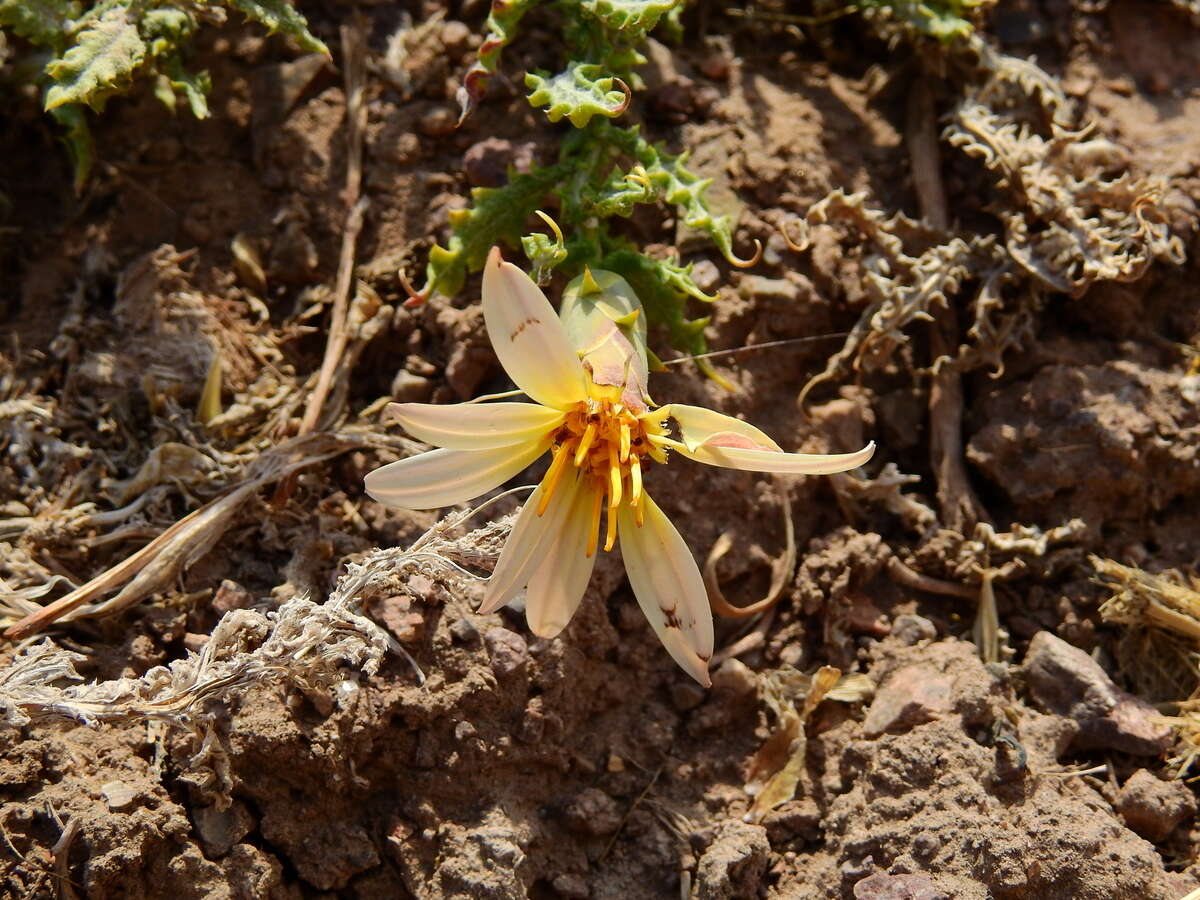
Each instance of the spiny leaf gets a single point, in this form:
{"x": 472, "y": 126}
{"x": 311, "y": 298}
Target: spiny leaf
{"x": 680, "y": 187}
{"x": 41, "y": 22}
{"x": 280, "y": 15}
{"x": 941, "y": 19}
{"x": 636, "y": 16}
{"x": 496, "y": 214}
{"x": 165, "y": 29}
{"x": 501, "y": 29}
{"x": 106, "y": 54}
{"x": 578, "y": 93}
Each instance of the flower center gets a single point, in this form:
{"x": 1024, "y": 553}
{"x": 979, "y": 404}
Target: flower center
{"x": 606, "y": 443}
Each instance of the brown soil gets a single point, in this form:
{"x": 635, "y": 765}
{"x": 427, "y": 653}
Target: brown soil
{"x": 589, "y": 766}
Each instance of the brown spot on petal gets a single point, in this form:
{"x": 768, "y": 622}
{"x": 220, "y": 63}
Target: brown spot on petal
{"x": 671, "y": 618}
{"x": 522, "y": 325}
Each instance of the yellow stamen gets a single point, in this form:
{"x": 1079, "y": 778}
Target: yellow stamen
{"x": 635, "y": 484}
{"x": 624, "y": 442}
{"x": 611, "y": 537}
{"x": 553, "y": 475}
{"x": 614, "y": 478}
{"x": 639, "y": 518}
{"x": 585, "y": 443}
{"x": 594, "y": 531}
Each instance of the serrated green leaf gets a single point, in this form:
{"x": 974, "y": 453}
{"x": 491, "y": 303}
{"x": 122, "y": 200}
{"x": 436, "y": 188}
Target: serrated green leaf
{"x": 673, "y": 183}
{"x": 636, "y": 17}
{"x": 41, "y": 22}
{"x": 942, "y": 19}
{"x": 502, "y": 23}
{"x": 106, "y": 54}
{"x": 579, "y": 93}
{"x": 281, "y": 16}
{"x": 496, "y": 214}
{"x": 165, "y": 29}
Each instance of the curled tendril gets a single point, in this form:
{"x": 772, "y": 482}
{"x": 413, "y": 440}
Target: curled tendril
{"x": 739, "y": 263}
{"x": 798, "y": 246}
{"x": 415, "y": 297}
{"x": 628, "y": 96}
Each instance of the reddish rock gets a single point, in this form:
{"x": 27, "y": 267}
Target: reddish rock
{"x": 1153, "y": 807}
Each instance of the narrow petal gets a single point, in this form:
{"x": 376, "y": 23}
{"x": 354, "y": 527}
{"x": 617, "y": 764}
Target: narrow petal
{"x": 528, "y": 542}
{"x": 777, "y": 462}
{"x": 475, "y": 426}
{"x": 559, "y": 581}
{"x": 527, "y": 336}
{"x": 668, "y": 586}
{"x": 446, "y": 477}
{"x": 698, "y": 426}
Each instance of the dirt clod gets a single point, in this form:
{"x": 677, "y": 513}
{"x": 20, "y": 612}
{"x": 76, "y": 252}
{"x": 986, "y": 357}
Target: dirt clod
{"x": 1153, "y": 807}
{"x": 1063, "y": 679}
{"x": 733, "y": 863}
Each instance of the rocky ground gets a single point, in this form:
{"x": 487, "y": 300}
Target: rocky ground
{"x": 589, "y": 766}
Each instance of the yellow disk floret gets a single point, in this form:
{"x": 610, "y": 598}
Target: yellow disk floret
{"x": 607, "y": 443}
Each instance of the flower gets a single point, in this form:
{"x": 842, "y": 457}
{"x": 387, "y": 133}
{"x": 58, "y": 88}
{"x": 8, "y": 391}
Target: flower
{"x": 586, "y": 372}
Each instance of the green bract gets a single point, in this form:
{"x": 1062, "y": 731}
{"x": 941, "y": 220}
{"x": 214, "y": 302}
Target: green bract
{"x": 97, "y": 50}
{"x": 604, "y": 170}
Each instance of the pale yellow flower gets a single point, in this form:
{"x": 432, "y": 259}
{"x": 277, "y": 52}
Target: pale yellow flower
{"x": 586, "y": 374}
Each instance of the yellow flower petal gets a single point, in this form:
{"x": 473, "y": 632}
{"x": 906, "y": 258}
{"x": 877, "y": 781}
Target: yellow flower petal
{"x": 528, "y": 542}
{"x": 446, "y": 477}
{"x": 559, "y": 582}
{"x": 528, "y": 337}
{"x": 475, "y": 426}
{"x": 698, "y": 426}
{"x": 668, "y": 586}
{"x": 777, "y": 462}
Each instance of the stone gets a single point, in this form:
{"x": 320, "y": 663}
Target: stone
{"x": 1153, "y": 807}
{"x": 118, "y": 795}
{"x": 410, "y": 388}
{"x": 911, "y": 629}
{"x": 687, "y": 695}
{"x": 571, "y": 887}
{"x": 734, "y": 679}
{"x": 508, "y": 650}
{"x": 594, "y": 813}
{"x": 487, "y": 162}
{"x": 1066, "y": 681}
{"x": 910, "y": 697}
{"x": 231, "y": 595}
{"x": 898, "y": 887}
{"x": 438, "y": 122}
{"x": 220, "y": 829}
{"x": 734, "y": 863}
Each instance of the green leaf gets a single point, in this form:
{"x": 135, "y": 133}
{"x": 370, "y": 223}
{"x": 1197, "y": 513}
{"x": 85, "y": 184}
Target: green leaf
{"x": 942, "y": 19}
{"x": 194, "y": 86}
{"x": 502, "y": 24}
{"x": 281, "y": 16}
{"x": 543, "y": 253}
{"x": 165, "y": 29}
{"x": 578, "y": 93}
{"x": 77, "y": 138}
{"x": 497, "y": 214}
{"x": 636, "y": 17}
{"x": 41, "y": 22}
{"x": 106, "y": 54}
{"x": 676, "y": 185}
